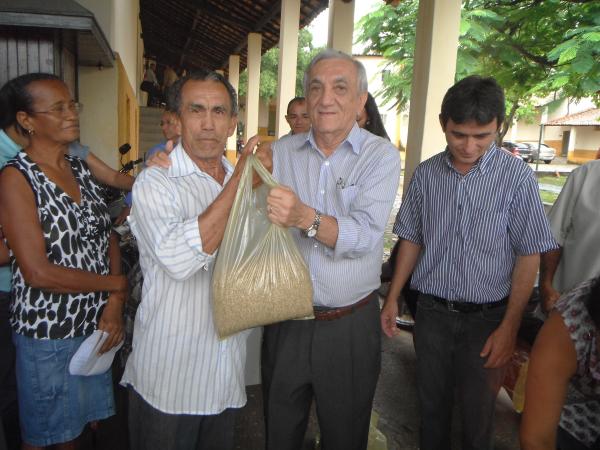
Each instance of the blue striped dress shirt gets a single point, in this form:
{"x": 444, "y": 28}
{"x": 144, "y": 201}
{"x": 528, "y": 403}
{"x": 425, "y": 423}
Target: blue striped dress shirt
{"x": 471, "y": 228}
{"x": 178, "y": 364}
{"x": 357, "y": 185}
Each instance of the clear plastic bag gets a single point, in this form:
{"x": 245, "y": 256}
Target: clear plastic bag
{"x": 260, "y": 277}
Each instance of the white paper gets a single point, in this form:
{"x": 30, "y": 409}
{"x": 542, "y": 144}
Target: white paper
{"x": 88, "y": 361}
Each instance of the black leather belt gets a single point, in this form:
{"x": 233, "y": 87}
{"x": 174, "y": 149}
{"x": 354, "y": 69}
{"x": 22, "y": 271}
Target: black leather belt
{"x": 466, "y": 307}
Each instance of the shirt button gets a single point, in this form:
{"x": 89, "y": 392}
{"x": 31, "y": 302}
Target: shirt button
{"x": 326, "y": 163}
{"x": 322, "y": 191}
{"x": 316, "y": 245}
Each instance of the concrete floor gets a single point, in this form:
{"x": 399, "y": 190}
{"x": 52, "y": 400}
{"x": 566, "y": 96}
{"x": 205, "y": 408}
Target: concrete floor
{"x": 395, "y": 401}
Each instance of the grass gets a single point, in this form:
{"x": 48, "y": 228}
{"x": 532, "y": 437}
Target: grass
{"x": 552, "y": 180}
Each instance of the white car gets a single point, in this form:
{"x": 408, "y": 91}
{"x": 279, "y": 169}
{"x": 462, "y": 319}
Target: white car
{"x": 546, "y": 153}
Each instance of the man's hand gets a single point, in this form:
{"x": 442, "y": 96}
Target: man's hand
{"x": 499, "y": 347}
{"x": 388, "y": 317}
{"x": 549, "y": 297}
{"x": 111, "y": 321}
{"x": 123, "y": 215}
{"x": 264, "y": 153}
{"x": 161, "y": 159}
{"x": 284, "y": 208}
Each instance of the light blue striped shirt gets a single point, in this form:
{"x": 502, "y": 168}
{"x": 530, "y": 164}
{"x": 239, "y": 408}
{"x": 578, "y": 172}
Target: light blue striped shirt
{"x": 178, "y": 364}
{"x": 471, "y": 228}
{"x": 357, "y": 185}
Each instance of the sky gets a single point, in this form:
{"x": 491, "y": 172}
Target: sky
{"x": 318, "y": 27}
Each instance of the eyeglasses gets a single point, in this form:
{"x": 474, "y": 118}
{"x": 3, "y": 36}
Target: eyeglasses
{"x": 62, "y": 109}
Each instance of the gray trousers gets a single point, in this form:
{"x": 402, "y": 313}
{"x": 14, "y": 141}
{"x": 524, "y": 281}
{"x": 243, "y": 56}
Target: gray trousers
{"x": 448, "y": 345}
{"x": 151, "y": 429}
{"x": 335, "y": 362}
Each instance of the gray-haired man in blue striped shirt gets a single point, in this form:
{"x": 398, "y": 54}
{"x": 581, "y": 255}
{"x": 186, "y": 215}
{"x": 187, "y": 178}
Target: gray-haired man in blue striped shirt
{"x": 472, "y": 227}
{"x": 342, "y": 183}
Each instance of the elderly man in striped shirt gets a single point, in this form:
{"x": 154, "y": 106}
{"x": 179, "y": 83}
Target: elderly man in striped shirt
{"x": 472, "y": 227}
{"x": 340, "y": 184}
{"x": 185, "y": 383}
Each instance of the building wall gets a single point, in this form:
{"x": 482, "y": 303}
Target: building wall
{"x": 113, "y": 88}
{"x": 98, "y": 91}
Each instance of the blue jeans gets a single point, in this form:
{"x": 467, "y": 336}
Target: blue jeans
{"x": 448, "y": 345}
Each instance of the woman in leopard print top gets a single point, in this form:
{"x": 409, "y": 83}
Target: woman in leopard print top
{"x": 66, "y": 278}
{"x": 562, "y": 403}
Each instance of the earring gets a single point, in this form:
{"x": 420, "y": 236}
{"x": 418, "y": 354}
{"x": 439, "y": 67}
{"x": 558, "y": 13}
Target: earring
{"x": 31, "y": 131}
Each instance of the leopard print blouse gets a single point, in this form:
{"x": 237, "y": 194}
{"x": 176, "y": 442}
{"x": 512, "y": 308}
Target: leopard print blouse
{"x": 76, "y": 236}
{"x": 581, "y": 413}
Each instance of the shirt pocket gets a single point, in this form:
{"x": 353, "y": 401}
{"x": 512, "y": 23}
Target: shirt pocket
{"x": 346, "y": 198}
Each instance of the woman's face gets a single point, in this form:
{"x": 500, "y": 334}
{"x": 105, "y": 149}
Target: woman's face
{"x": 54, "y": 113}
{"x": 362, "y": 118}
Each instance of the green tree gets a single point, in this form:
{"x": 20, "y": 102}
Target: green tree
{"x": 532, "y": 47}
{"x": 269, "y": 66}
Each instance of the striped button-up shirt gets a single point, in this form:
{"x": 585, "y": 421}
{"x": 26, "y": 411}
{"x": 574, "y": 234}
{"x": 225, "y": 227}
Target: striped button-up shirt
{"x": 471, "y": 228}
{"x": 357, "y": 185}
{"x": 178, "y": 364}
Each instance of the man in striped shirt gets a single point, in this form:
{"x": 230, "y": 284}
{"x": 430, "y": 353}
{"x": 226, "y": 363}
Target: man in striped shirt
{"x": 339, "y": 186}
{"x": 472, "y": 227}
{"x": 184, "y": 382}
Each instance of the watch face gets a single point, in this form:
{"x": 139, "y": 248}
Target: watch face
{"x": 311, "y": 233}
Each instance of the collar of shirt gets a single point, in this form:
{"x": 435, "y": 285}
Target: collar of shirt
{"x": 182, "y": 165}
{"x": 8, "y": 148}
{"x": 354, "y": 139}
{"x": 483, "y": 164}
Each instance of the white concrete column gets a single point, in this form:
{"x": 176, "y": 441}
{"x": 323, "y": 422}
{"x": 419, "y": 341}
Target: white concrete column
{"x": 252, "y": 97}
{"x": 234, "y": 79}
{"x": 572, "y": 140}
{"x": 436, "y": 45}
{"x": 341, "y": 25}
{"x": 288, "y": 59}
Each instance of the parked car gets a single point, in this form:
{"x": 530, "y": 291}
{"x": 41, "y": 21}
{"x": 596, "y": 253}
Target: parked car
{"x": 546, "y": 153}
{"x": 517, "y": 149}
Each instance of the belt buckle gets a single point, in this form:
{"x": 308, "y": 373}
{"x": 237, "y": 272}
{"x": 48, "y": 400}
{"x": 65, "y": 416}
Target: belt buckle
{"x": 451, "y": 306}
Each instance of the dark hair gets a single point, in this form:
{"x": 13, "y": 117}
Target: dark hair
{"x": 374, "y": 122}
{"x": 593, "y": 303}
{"x": 174, "y": 94}
{"x": 15, "y": 97}
{"x": 294, "y": 100}
{"x": 474, "y": 98}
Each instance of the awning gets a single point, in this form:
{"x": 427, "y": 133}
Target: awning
{"x": 92, "y": 46}
{"x": 588, "y": 118}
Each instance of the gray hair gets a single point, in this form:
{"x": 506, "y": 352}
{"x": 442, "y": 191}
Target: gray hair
{"x": 329, "y": 53}
{"x": 174, "y": 94}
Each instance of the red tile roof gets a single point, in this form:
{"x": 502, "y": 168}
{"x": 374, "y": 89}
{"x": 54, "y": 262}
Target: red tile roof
{"x": 590, "y": 117}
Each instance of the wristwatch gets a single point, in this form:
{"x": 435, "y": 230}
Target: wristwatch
{"x": 314, "y": 227}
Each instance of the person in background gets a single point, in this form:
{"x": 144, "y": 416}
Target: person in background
{"x": 575, "y": 223}
{"x": 151, "y": 85}
{"x": 297, "y": 116}
{"x": 562, "y": 397}
{"x": 66, "y": 280}
{"x": 472, "y": 226}
{"x": 171, "y": 130}
{"x": 338, "y": 184}
{"x": 370, "y": 119}
{"x": 186, "y": 383}
{"x": 169, "y": 77}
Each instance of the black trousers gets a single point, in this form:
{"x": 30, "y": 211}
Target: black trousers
{"x": 337, "y": 362}
{"x": 151, "y": 429}
{"x": 448, "y": 345}
{"x": 9, "y": 411}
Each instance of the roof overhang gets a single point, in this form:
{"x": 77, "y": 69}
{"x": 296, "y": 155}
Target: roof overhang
{"x": 195, "y": 34}
{"x": 93, "y": 48}
{"x": 588, "y": 118}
